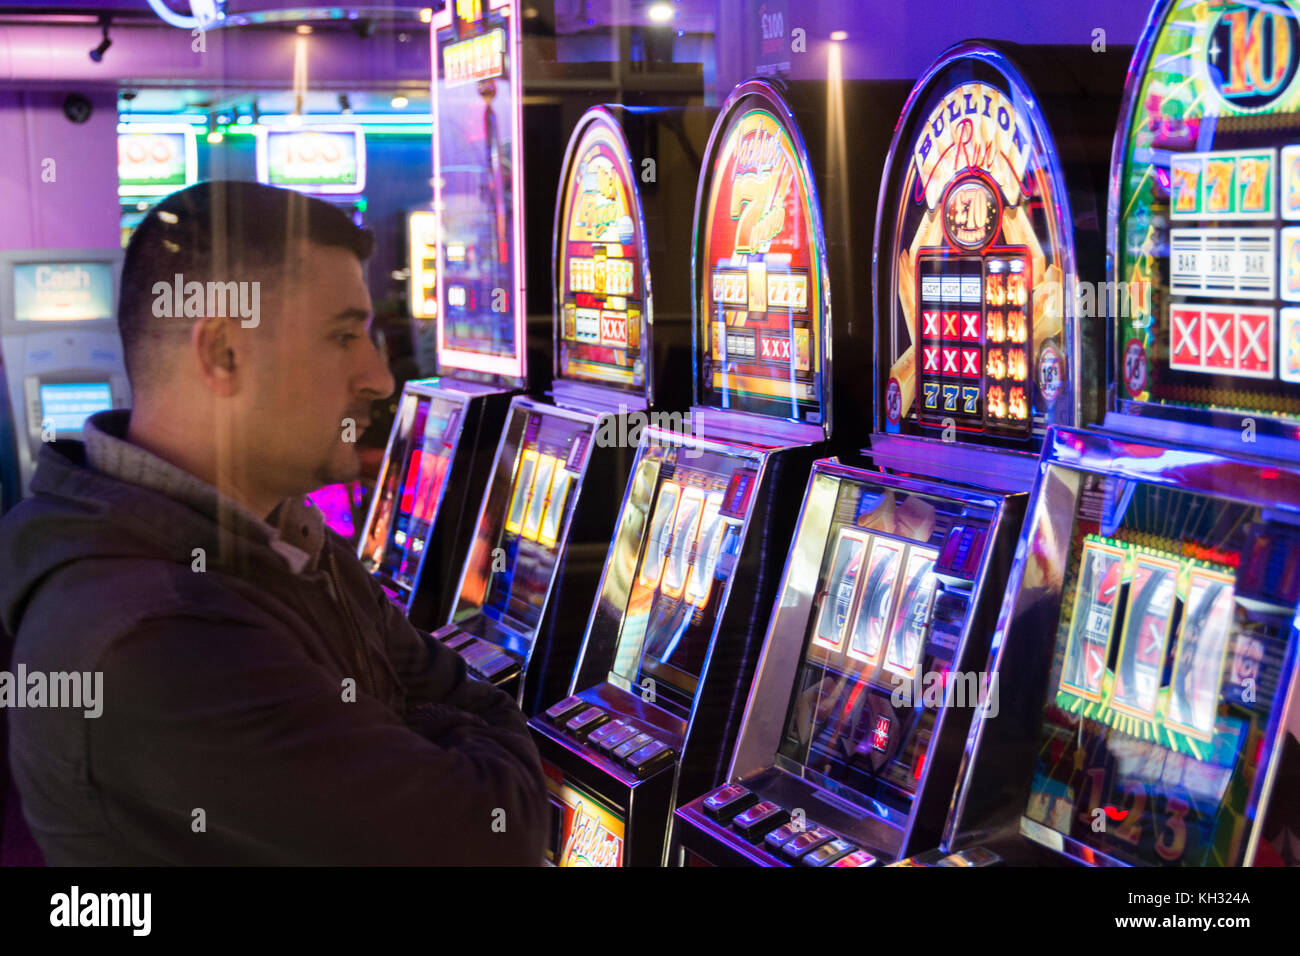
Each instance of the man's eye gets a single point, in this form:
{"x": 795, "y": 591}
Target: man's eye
{"x": 346, "y": 338}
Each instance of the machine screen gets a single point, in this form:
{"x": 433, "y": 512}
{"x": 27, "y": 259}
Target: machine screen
{"x": 324, "y": 160}
{"x": 410, "y": 488}
{"x": 761, "y": 291}
{"x": 63, "y": 291}
{"x": 422, "y": 260}
{"x": 1208, "y": 255}
{"x": 975, "y": 337}
{"x": 602, "y": 267}
{"x": 688, "y": 551}
{"x": 476, "y": 129}
{"x": 521, "y": 562}
{"x": 887, "y": 616}
{"x": 1167, "y": 669}
{"x": 68, "y": 404}
{"x": 154, "y": 160}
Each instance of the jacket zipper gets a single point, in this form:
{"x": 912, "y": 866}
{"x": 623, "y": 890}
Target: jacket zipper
{"x": 363, "y": 657}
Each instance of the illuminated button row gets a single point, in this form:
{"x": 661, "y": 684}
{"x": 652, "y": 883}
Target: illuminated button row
{"x": 762, "y": 821}
{"x": 616, "y": 738}
{"x": 484, "y": 659}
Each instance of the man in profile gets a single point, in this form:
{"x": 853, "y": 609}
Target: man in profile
{"x": 262, "y": 701}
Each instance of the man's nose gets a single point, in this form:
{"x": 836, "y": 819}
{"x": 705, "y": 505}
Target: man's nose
{"x": 377, "y": 379}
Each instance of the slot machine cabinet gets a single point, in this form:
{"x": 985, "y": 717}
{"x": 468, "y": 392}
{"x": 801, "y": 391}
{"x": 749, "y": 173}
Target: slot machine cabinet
{"x": 844, "y": 756}
{"x": 1143, "y": 664}
{"x": 546, "y": 518}
{"x": 1205, "y": 233}
{"x": 988, "y": 229}
{"x": 417, "y": 522}
{"x": 690, "y": 572}
{"x": 851, "y": 739}
{"x": 482, "y": 355}
{"x": 1164, "y": 546}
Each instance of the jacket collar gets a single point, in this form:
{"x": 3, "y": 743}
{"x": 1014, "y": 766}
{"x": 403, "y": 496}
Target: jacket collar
{"x": 295, "y": 529}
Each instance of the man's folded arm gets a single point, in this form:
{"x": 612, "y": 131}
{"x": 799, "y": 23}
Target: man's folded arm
{"x": 225, "y": 743}
{"x": 433, "y": 673}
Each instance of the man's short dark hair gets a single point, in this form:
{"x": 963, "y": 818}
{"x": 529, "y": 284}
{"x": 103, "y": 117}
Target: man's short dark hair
{"x": 218, "y": 231}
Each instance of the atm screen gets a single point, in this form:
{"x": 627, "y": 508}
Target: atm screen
{"x": 688, "y": 553}
{"x": 63, "y": 291}
{"x": 887, "y": 617}
{"x": 1168, "y": 667}
{"x": 68, "y": 404}
{"x": 547, "y": 470}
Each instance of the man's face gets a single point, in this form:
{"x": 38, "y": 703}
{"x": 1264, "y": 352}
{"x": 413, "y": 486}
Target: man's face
{"x": 313, "y": 368}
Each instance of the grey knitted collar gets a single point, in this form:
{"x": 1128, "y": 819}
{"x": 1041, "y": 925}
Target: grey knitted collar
{"x": 297, "y": 535}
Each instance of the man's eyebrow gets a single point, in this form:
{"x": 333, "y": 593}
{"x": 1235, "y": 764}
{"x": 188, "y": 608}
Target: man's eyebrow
{"x": 351, "y": 315}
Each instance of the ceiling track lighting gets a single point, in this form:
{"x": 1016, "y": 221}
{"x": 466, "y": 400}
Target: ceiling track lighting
{"x": 97, "y": 54}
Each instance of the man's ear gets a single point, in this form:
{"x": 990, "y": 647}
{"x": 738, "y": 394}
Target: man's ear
{"x": 212, "y": 342}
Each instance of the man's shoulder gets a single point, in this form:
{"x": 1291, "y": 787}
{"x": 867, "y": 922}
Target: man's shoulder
{"x": 85, "y": 606}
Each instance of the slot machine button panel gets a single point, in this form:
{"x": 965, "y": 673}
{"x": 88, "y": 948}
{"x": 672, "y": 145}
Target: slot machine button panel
{"x": 805, "y": 842}
{"x": 500, "y": 667}
{"x": 586, "y": 722}
{"x": 759, "y": 820}
{"x": 856, "y": 858}
{"x": 570, "y": 705}
{"x": 650, "y": 758}
{"x": 613, "y": 735}
{"x": 631, "y": 745}
{"x": 458, "y": 639}
{"x": 781, "y": 836}
{"x": 828, "y": 853}
{"x": 724, "y": 803}
{"x": 477, "y": 653}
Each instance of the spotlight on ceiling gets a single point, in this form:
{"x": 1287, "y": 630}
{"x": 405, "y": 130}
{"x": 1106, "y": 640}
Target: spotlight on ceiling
{"x": 97, "y": 54}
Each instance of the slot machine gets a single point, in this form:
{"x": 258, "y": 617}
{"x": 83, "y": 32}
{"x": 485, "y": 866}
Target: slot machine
{"x": 693, "y": 564}
{"x": 874, "y": 658}
{"x": 1146, "y": 654}
{"x": 552, "y": 496}
{"x": 455, "y": 419}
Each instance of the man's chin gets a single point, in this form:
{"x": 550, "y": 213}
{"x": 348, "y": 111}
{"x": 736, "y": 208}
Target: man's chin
{"x": 340, "y": 471}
